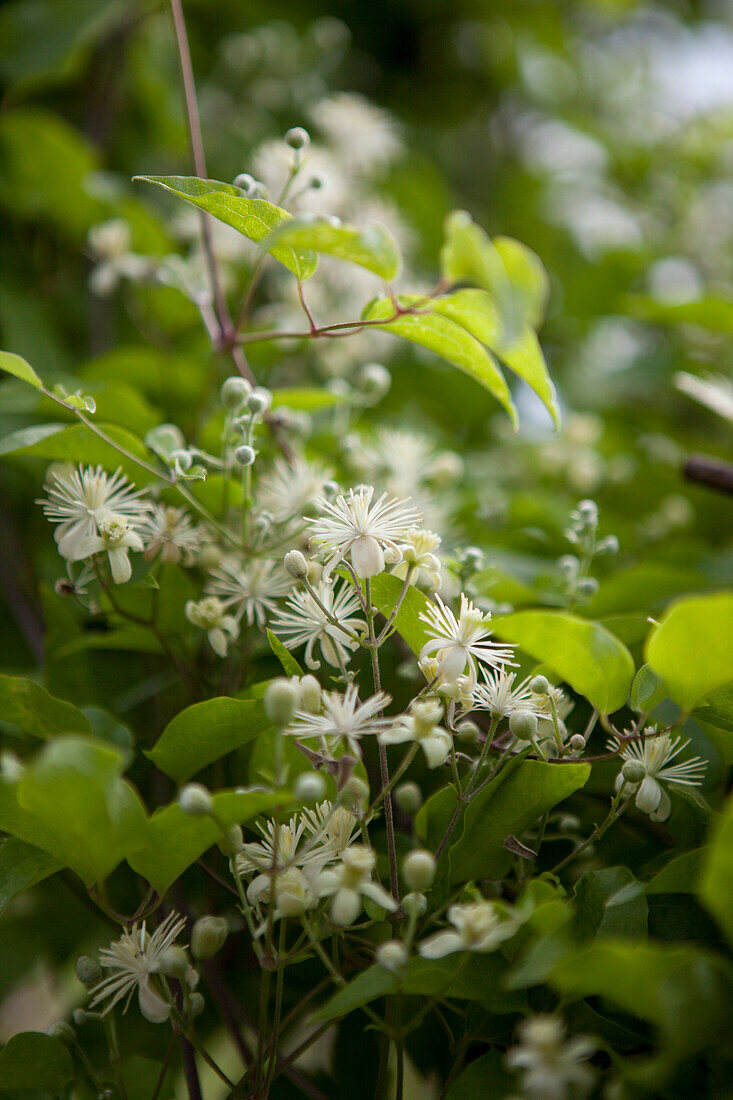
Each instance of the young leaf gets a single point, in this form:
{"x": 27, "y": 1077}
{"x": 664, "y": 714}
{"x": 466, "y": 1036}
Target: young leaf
{"x": 205, "y": 732}
{"x": 716, "y": 880}
{"x": 692, "y": 648}
{"x": 586, "y": 655}
{"x": 284, "y": 656}
{"x": 447, "y": 339}
{"x": 26, "y": 704}
{"x": 254, "y": 218}
{"x": 370, "y": 246}
{"x": 22, "y": 866}
{"x": 32, "y": 1060}
{"x": 16, "y": 365}
{"x": 527, "y": 275}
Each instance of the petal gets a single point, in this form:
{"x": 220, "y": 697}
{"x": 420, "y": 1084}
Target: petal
{"x": 452, "y": 662}
{"x": 664, "y": 808}
{"x": 396, "y": 736}
{"x": 120, "y": 565}
{"x": 649, "y": 795}
{"x": 82, "y": 548}
{"x": 436, "y": 748}
{"x": 218, "y": 640}
{"x": 152, "y": 1005}
{"x": 367, "y": 556}
{"x": 441, "y": 944}
{"x": 378, "y": 894}
{"x": 345, "y": 907}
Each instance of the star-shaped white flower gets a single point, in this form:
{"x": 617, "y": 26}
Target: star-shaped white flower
{"x": 115, "y": 538}
{"x": 342, "y": 719}
{"x": 477, "y": 927}
{"x": 135, "y": 957}
{"x": 355, "y": 526}
{"x": 304, "y": 622}
{"x": 249, "y": 590}
{"x": 461, "y": 641}
{"x": 656, "y": 756}
{"x": 78, "y": 498}
{"x": 421, "y": 726}
{"x": 350, "y": 882}
{"x": 208, "y": 614}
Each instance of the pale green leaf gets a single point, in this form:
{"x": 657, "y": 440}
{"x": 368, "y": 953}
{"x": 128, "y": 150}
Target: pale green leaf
{"x": 26, "y": 704}
{"x": 692, "y": 647}
{"x": 205, "y": 732}
{"x": 716, "y": 880}
{"x": 16, "y": 365}
{"x": 527, "y": 275}
{"x": 370, "y": 246}
{"x": 291, "y": 667}
{"x": 76, "y": 443}
{"x": 386, "y": 591}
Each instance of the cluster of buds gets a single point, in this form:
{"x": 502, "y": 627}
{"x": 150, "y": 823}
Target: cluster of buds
{"x": 583, "y": 533}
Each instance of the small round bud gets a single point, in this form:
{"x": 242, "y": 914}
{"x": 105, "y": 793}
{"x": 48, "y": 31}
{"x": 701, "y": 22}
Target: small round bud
{"x": 296, "y": 564}
{"x": 232, "y": 840}
{"x": 234, "y": 392}
{"x": 356, "y": 788}
{"x": 330, "y": 489}
{"x": 415, "y": 905}
{"x": 88, "y": 971}
{"x": 259, "y": 401}
{"x": 317, "y": 181}
{"x": 374, "y": 380}
{"x": 392, "y": 955}
{"x": 297, "y": 138}
{"x": 195, "y": 800}
{"x": 468, "y": 732}
{"x": 633, "y": 771}
{"x": 174, "y": 963}
{"x": 310, "y": 694}
{"x": 418, "y": 870}
{"x": 196, "y": 1004}
{"x": 62, "y": 1031}
{"x": 281, "y": 701}
{"x": 408, "y": 797}
{"x": 247, "y": 183}
{"x": 588, "y": 586}
{"x": 539, "y": 685}
{"x": 182, "y": 460}
{"x": 576, "y": 742}
{"x": 81, "y": 1016}
{"x": 568, "y": 564}
{"x": 208, "y": 937}
{"x": 588, "y": 512}
{"x": 609, "y": 545}
{"x": 245, "y": 455}
{"x": 523, "y": 724}
{"x": 309, "y": 787}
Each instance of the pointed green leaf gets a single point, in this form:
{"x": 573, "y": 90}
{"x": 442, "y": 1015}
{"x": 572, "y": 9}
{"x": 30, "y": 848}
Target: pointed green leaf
{"x": 16, "y": 365}
{"x": 254, "y": 218}
{"x": 22, "y": 866}
{"x": 370, "y": 246}
{"x": 447, "y": 339}
{"x": 692, "y": 647}
{"x": 386, "y": 591}
{"x": 205, "y": 732}
{"x": 586, "y": 655}
{"x": 26, "y": 704}
{"x": 284, "y": 656}
{"x": 527, "y": 275}
{"x": 77, "y": 443}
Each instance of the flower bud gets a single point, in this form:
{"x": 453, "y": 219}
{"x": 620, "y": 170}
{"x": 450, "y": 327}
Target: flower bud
{"x": 174, "y": 963}
{"x": 281, "y": 701}
{"x": 588, "y": 512}
{"x": 309, "y": 787}
{"x": 63, "y": 1031}
{"x": 259, "y": 401}
{"x": 245, "y": 455}
{"x": 310, "y": 694}
{"x": 392, "y": 955}
{"x": 196, "y": 1004}
{"x": 356, "y": 788}
{"x": 415, "y": 905}
{"x": 88, "y": 971}
{"x": 523, "y": 724}
{"x": 296, "y": 564}
{"x": 297, "y": 138}
{"x": 81, "y": 1016}
{"x": 418, "y": 870}
{"x": 633, "y": 771}
{"x": 210, "y": 556}
{"x": 568, "y": 564}
{"x": 246, "y": 183}
{"x": 195, "y": 800}
{"x": 576, "y": 742}
{"x": 232, "y": 840}
{"x": 374, "y": 380}
{"x": 234, "y": 392}
{"x": 587, "y": 586}
{"x": 408, "y": 797}
{"x": 208, "y": 937}
{"x": 473, "y": 558}
{"x": 608, "y": 545}
{"x": 317, "y": 181}
{"x": 540, "y": 685}
{"x": 315, "y": 571}
{"x": 468, "y": 732}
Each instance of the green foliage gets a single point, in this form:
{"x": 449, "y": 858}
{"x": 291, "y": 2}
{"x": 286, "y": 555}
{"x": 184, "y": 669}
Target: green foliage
{"x": 28, "y": 706}
{"x": 21, "y": 867}
{"x": 679, "y": 648}
{"x": 31, "y": 1060}
{"x": 371, "y": 247}
{"x": 205, "y": 732}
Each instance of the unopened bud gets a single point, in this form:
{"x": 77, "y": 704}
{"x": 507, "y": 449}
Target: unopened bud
{"x": 374, "y": 380}
{"x": 296, "y": 564}
{"x": 587, "y": 586}
{"x": 259, "y": 401}
{"x": 568, "y": 564}
{"x": 408, "y": 797}
{"x": 576, "y": 742}
{"x": 356, "y": 788}
{"x": 392, "y": 955}
{"x": 234, "y": 392}
{"x": 415, "y": 905}
{"x": 609, "y": 545}
{"x": 310, "y": 694}
{"x": 174, "y": 963}
{"x": 232, "y": 840}
{"x": 208, "y": 937}
{"x": 418, "y": 870}
{"x": 195, "y": 800}
{"x": 297, "y": 138}
{"x": 81, "y": 1016}
{"x": 63, "y": 1031}
{"x": 247, "y": 183}
{"x": 588, "y": 512}
{"x": 540, "y": 685}
{"x": 468, "y": 732}
{"x": 309, "y": 787}
{"x": 245, "y": 455}
{"x": 523, "y": 724}
{"x": 473, "y": 558}
{"x": 196, "y": 1004}
{"x": 281, "y": 701}
{"x": 88, "y": 971}
{"x": 633, "y": 771}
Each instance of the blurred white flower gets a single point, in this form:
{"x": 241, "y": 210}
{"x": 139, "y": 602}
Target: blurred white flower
{"x": 135, "y": 957}
{"x": 343, "y": 719}
{"x": 551, "y": 1064}
{"x": 477, "y": 927}
{"x": 250, "y": 589}
{"x": 421, "y": 726}
{"x": 350, "y": 882}
{"x": 208, "y": 614}
{"x": 170, "y": 532}
{"x": 363, "y": 136}
{"x": 498, "y": 695}
{"x": 290, "y": 488}
{"x": 304, "y": 622}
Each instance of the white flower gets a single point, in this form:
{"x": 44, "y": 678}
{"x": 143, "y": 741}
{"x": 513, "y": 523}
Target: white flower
{"x": 353, "y": 525}
{"x": 419, "y": 553}
{"x": 421, "y": 726}
{"x": 136, "y": 956}
{"x": 109, "y": 243}
{"x": 252, "y": 589}
{"x": 363, "y": 135}
{"x": 169, "y": 531}
{"x": 79, "y": 498}
{"x": 115, "y": 538}
{"x": 293, "y": 890}
{"x": 550, "y": 1062}
{"x": 290, "y": 488}
{"x": 655, "y": 754}
{"x": 461, "y": 641}
{"x": 208, "y": 614}
{"x": 478, "y": 927}
{"x": 350, "y": 882}
{"x": 498, "y": 695}
{"x": 303, "y": 622}
{"x": 344, "y": 719}
{"x": 334, "y": 827}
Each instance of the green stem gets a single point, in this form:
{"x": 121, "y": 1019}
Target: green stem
{"x": 598, "y": 831}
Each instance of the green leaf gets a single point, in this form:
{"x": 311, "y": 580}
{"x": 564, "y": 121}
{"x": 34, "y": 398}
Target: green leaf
{"x": 254, "y": 218}
{"x": 717, "y": 708}
{"x": 716, "y": 880}
{"x": 386, "y": 591}
{"x": 484, "y": 1077}
{"x": 681, "y": 875}
{"x": 370, "y": 246}
{"x": 692, "y": 647}
{"x": 170, "y": 841}
{"x": 205, "y": 732}
{"x": 527, "y": 275}
{"x": 26, "y": 704}
{"x": 32, "y": 1060}
{"x": 284, "y": 656}
{"x": 16, "y": 365}
{"x": 506, "y": 806}
{"x": 586, "y": 655}
{"x": 22, "y": 866}
{"x": 76, "y": 443}
{"x": 447, "y": 339}
{"x": 306, "y": 399}
{"x": 611, "y": 902}
{"x": 647, "y": 691}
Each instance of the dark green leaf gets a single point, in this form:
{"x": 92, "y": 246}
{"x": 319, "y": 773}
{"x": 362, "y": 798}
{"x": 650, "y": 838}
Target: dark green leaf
{"x": 31, "y": 1060}
{"x": 22, "y": 866}
{"x": 205, "y": 732}
{"x": 26, "y": 704}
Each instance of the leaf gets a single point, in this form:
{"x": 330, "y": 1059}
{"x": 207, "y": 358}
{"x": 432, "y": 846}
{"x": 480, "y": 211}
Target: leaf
{"x": 306, "y": 399}
{"x": 509, "y": 805}
{"x": 76, "y": 443}
{"x": 717, "y": 708}
{"x": 254, "y": 218}
{"x": 26, "y": 704}
{"x": 716, "y": 880}
{"x": 22, "y": 866}
{"x": 170, "y": 841}
{"x": 692, "y": 647}
{"x": 610, "y": 902}
{"x": 370, "y": 246}
{"x": 32, "y": 1060}
{"x": 483, "y": 1078}
{"x": 16, "y": 365}
{"x": 647, "y": 691}
{"x": 386, "y": 591}
{"x": 681, "y": 875}
{"x": 586, "y": 655}
{"x": 527, "y": 275}
{"x": 205, "y": 732}
{"x": 284, "y": 656}
{"x": 447, "y": 339}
